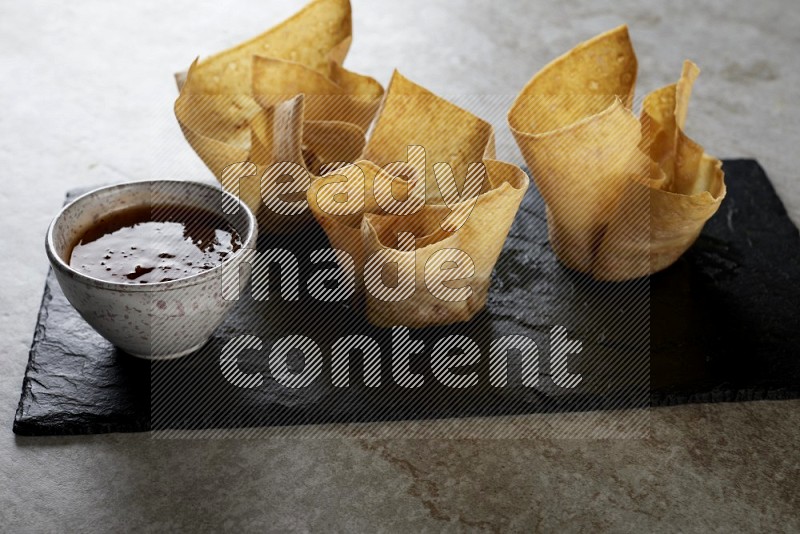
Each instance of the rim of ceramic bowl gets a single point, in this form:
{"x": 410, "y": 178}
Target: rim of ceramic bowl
{"x": 58, "y": 262}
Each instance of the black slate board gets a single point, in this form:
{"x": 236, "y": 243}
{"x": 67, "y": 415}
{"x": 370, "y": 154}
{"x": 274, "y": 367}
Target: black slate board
{"x": 722, "y": 324}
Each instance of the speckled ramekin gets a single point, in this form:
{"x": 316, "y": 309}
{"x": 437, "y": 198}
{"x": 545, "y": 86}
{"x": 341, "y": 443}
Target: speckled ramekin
{"x": 161, "y": 320}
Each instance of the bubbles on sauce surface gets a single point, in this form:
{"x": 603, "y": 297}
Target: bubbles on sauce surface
{"x": 147, "y": 245}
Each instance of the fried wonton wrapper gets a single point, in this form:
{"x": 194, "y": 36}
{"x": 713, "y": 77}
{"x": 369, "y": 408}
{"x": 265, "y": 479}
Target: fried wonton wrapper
{"x": 625, "y": 197}
{"x": 458, "y": 232}
{"x": 282, "y": 96}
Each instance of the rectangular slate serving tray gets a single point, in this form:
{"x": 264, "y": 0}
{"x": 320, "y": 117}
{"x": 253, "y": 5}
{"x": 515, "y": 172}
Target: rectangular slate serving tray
{"x": 722, "y": 324}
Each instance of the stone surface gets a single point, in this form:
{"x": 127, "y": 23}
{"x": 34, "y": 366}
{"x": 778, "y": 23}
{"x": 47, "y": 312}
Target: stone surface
{"x": 88, "y": 90}
{"x": 673, "y": 345}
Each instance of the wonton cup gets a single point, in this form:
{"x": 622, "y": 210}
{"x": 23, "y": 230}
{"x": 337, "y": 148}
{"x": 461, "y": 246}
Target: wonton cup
{"x": 625, "y": 197}
{"x": 282, "y": 96}
{"x": 464, "y": 209}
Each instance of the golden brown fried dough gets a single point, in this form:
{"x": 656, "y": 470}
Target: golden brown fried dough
{"x": 456, "y": 239}
{"x": 625, "y": 197}
{"x": 282, "y": 96}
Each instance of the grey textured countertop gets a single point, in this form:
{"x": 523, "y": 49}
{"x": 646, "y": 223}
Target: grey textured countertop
{"x": 88, "y": 95}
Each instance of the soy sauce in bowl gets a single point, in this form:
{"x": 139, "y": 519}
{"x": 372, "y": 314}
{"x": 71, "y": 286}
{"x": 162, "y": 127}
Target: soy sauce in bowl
{"x": 145, "y": 245}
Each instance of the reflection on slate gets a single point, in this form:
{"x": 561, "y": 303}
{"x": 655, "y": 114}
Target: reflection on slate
{"x": 719, "y": 325}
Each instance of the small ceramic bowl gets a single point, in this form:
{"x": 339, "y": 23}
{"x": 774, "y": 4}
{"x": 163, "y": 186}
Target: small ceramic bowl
{"x": 158, "y": 320}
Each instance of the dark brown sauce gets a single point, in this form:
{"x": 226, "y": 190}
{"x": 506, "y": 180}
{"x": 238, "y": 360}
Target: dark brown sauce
{"x": 145, "y": 245}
